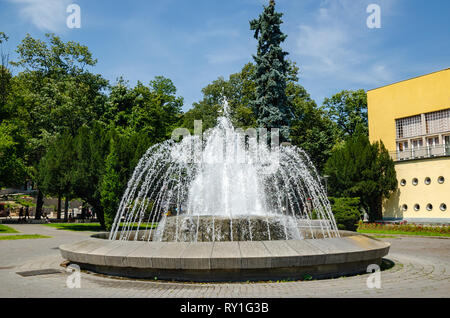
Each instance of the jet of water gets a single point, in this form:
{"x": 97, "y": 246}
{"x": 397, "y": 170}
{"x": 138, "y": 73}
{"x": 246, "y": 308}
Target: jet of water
{"x": 226, "y": 174}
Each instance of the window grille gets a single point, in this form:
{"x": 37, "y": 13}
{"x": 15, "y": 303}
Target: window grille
{"x": 438, "y": 122}
{"x": 408, "y": 127}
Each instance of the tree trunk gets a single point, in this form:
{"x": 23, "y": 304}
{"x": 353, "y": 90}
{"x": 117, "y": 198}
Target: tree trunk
{"x": 66, "y": 209}
{"x": 98, "y": 210}
{"x": 83, "y": 211}
{"x": 375, "y": 209}
{"x": 58, "y": 212}
{"x": 39, "y": 205}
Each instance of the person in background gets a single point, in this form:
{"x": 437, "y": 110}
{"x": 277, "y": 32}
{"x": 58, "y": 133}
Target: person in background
{"x": 27, "y": 212}
{"x": 21, "y": 213}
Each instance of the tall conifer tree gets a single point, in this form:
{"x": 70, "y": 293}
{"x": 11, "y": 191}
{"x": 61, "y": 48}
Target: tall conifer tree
{"x": 271, "y": 105}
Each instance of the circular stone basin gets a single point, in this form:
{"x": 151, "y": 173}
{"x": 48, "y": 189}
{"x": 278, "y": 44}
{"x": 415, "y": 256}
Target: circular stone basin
{"x": 349, "y": 254}
{"x": 185, "y": 228}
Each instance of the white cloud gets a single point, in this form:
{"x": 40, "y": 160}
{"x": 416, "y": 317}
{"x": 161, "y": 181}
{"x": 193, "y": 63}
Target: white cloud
{"x": 47, "y": 15}
{"x": 337, "y": 44}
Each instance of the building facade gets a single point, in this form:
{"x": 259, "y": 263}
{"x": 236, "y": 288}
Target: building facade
{"x": 412, "y": 118}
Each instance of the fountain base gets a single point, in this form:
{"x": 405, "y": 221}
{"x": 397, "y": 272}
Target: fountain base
{"x": 228, "y": 261}
{"x": 184, "y": 228}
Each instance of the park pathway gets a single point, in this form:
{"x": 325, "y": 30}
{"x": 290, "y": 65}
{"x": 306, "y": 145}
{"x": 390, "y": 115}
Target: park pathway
{"x": 422, "y": 269}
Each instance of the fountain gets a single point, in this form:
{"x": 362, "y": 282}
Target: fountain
{"x": 225, "y": 205}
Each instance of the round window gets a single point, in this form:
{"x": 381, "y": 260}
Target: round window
{"x": 415, "y": 181}
{"x": 404, "y": 207}
{"x": 429, "y": 207}
{"x": 416, "y": 207}
{"x": 403, "y": 182}
{"x": 443, "y": 207}
{"x": 441, "y": 179}
{"x": 427, "y": 180}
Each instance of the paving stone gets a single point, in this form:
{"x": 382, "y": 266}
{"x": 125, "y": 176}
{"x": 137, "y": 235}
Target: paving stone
{"x": 422, "y": 270}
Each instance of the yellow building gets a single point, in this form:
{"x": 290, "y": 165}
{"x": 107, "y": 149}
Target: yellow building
{"x": 412, "y": 118}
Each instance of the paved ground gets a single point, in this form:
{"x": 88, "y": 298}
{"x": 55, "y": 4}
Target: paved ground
{"x": 422, "y": 269}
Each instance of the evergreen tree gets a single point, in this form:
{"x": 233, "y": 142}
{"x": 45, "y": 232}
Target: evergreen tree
{"x": 91, "y": 146}
{"x": 364, "y": 170}
{"x": 271, "y": 105}
{"x": 55, "y": 170}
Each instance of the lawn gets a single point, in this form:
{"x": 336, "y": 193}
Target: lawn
{"x": 92, "y": 227}
{"x": 404, "y": 229}
{"x": 22, "y": 237}
{"x": 403, "y": 233}
{"x": 6, "y": 229}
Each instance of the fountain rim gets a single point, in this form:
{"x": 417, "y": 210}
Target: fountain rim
{"x": 224, "y": 261}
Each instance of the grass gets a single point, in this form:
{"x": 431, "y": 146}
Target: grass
{"x": 404, "y": 233}
{"x": 6, "y": 229}
{"x": 384, "y": 236}
{"x": 404, "y": 229}
{"x": 22, "y": 237}
{"x": 92, "y": 227}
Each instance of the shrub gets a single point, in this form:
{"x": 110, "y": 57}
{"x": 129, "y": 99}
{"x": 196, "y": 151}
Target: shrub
{"x": 346, "y": 212}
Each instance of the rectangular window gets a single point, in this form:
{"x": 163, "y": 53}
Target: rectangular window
{"x": 438, "y": 122}
{"x": 417, "y": 143}
{"x": 433, "y": 141}
{"x": 409, "y": 127}
{"x": 402, "y": 146}
{"x": 447, "y": 145}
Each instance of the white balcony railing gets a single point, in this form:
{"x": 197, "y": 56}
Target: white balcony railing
{"x": 421, "y": 153}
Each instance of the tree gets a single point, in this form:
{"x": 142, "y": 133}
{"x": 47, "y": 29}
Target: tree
{"x": 348, "y": 109}
{"x": 271, "y": 105}
{"x": 364, "y": 170}
{"x": 91, "y": 146}
{"x": 13, "y": 170}
{"x": 239, "y": 91}
{"x": 55, "y": 170}
{"x": 311, "y": 129}
{"x": 157, "y": 109}
{"x": 5, "y": 76}
{"x": 119, "y": 105}
{"x": 54, "y": 93}
{"x": 125, "y": 152}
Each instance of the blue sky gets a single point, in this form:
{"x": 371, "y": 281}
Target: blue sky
{"x": 195, "y": 41}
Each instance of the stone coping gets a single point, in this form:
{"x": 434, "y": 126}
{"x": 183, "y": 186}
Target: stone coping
{"x": 244, "y": 255}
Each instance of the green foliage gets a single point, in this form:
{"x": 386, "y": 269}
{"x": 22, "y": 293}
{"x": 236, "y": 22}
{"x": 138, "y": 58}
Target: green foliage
{"x": 271, "y": 105}
{"x": 239, "y": 90}
{"x": 111, "y": 186}
{"x": 24, "y": 202}
{"x": 311, "y": 129}
{"x": 364, "y": 170}
{"x": 54, "y": 93}
{"x": 55, "y": 57}
{"x": 124, "y": 153}
{"x": 346, "y": 212}
{"x": 348, "y": 109}
{"x": 13, "y": 170}
{"x": 56, "y": 166}
{"x": 91, "y": 146}
{"x": 154, "y": 109}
